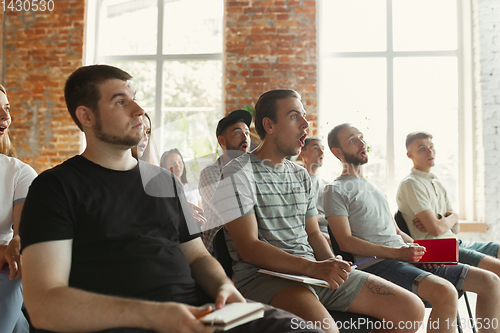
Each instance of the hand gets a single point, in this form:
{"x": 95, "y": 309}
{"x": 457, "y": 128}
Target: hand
{"x": 410, "y": 253}
{"x": 327, "y": 237}
{"x": 335, "y": 271}
{"x": 228, "y": 293}
{"x": 196, "y": 212}
{"x": 12, "y": 256}
{"x": 182, "y": 318}
{"x": 432, "y": 266}
{"x": 418, "y": 224}
{"x": 456, "y": 228}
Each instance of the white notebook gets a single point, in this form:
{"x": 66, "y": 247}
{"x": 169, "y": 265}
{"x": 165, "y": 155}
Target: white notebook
{"x": 299, "y": 278}
{"x": 232, "y": 315}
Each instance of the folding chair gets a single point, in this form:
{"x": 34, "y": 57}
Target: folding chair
{"x": 400, "y": 221}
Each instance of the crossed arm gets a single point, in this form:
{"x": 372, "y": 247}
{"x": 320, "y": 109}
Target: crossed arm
{"x": 54, "y": 305}
{"x": 428, "y": 220}
{"x": 244, "y": 233}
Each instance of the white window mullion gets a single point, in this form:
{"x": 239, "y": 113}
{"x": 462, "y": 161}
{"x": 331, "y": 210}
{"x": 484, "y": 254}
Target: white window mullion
{"x": 390, "y": 105}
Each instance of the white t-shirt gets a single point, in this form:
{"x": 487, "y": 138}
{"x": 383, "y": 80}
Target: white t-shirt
{"x": 192, "y": 194}
{"x": 15, "y": 179}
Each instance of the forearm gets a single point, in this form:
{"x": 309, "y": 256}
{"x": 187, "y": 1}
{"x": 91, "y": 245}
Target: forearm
{"x": 72, "y": 310}
{"x": 270, "y": 257}
{"x": 320, "y": 246}
{"x": 209, "y": 274}
{"x": 450, "y": 220}
{"x": 406, "y": 237}
{"x": 355, "y": 245}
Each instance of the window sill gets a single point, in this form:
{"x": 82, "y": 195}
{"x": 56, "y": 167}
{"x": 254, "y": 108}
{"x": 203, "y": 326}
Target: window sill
{"x": 467, "y": 226}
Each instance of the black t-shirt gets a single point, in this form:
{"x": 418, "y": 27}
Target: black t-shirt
{"x": 125, "y": 234}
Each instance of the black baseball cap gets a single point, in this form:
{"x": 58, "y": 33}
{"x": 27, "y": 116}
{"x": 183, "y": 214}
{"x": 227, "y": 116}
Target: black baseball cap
{"x": 233, "y": 118}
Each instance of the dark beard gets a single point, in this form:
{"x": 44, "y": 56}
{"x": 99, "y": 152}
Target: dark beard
{"x": 127, "y": 141}
{"x": 355, "y": 159}
{"x": 234, "y": 152}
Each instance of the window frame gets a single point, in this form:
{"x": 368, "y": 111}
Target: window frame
{"x": 92, "y": 56}
{"x": 468, "y": 157}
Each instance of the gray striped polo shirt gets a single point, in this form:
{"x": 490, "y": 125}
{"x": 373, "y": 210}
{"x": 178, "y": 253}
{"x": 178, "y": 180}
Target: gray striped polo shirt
{"x": 279, "y": 196}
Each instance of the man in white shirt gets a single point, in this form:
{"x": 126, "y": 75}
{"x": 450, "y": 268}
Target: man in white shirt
{"x": 426, "y": 208}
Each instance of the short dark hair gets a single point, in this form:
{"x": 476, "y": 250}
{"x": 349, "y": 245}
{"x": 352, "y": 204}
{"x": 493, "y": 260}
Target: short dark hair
{"x": 163, "y": 161}
{"x": 415, "y": 136}
{"x": 307, "y": 140}
{"x": 333, "y": 136}
{"x": 266, "y": 107}
{"x": 82, "y": 87}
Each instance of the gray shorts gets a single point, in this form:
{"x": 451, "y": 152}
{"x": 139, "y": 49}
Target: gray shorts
{"x": 264, "y": 287}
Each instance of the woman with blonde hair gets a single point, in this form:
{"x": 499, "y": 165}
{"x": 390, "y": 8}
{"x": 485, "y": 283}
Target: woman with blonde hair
{"x": 15, "y": 177}
{"x": 5, "y": 145}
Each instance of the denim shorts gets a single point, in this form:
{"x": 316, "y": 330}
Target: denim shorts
{"x": 408, "y": 276}
{"x": 473, "y": 252}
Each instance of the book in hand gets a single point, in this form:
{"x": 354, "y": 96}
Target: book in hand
{"x": 299, "y": 278}
{"x": 439, "y": 251}
{"x": 232, "y": 315}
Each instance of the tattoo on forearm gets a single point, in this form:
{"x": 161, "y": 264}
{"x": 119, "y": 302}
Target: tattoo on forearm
{"x": 377, "y": 287}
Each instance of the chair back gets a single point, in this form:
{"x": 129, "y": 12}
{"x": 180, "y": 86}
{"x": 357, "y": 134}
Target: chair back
{"x": 336, "y": 248}
{"x": 400, "y": 221}
{"x": 221, "y": 252}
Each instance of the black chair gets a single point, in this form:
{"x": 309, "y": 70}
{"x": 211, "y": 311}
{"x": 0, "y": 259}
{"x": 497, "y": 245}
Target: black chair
{"x": 364, "y": 324}
{"x": 400, "y": 221}
{"x": 221, "y": 252}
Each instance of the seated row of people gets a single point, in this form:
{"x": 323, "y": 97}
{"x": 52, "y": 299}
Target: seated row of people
{"x": 109, "y": 242}
{"x": 261, "y": 231}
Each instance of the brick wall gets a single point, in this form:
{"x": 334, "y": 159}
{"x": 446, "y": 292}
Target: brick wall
{"x": 270, "y": 44}
{"x": 489, "y": 28}
{"x": 40, "y": 50}
{"x": 1, "y": 45}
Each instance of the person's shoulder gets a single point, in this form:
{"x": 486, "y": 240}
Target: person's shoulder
{"x": 210, "y": 169}
{"x": 295, "y": 166}
{"x": 158, "y": 181}
{"x": 13, "y": 165}
{"x": 411, "y": 179}
{"x": 240, "y": 161}
{"x": 339, "y": 184}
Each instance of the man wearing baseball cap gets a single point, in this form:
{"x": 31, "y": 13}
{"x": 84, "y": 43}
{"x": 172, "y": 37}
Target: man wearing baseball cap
{"x": 234, "y": 137}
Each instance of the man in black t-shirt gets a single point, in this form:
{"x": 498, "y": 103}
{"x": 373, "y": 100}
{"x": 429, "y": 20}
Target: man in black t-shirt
{"x": 105, "y": 243}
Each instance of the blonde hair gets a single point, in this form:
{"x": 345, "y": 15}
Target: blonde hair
{"x": 6, "y": 147}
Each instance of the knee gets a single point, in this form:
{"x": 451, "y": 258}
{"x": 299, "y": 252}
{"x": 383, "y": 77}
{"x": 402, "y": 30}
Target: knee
{"x": 443, "y": 293}
{"x": 489, "y": 284}
{"x": 417, "y": 307}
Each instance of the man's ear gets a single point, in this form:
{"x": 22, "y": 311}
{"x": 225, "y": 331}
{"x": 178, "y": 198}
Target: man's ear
{"x": 222, "y": 141}
{"x": 85, "y": 116}
{"x": 268, "y": 125}
{"x": 408, "y": 154}
{"x": 337, "y": 152}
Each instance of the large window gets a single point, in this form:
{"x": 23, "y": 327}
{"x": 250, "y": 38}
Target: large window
{"x": 173, "y": 49}
{"x": 391, "y": 67}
